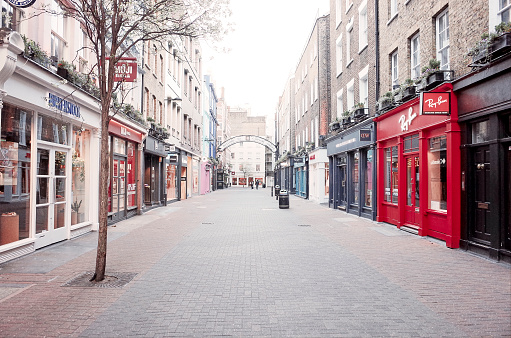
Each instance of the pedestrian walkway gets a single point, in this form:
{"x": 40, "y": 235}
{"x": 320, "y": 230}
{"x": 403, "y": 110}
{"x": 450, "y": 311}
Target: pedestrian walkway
{"x": 232, "y": 263}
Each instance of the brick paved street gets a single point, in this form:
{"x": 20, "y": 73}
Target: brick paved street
{"x": 232, "y": 263}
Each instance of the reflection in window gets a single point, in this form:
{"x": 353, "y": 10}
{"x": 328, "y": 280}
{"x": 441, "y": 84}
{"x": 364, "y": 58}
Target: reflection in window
{"x": 52, "y": 130}
{"x": 391, "y": 175}
{"x": 437, "y": 173}
{"x": 480, "y": 132}
{"x": 368, "y": 179}
{"x": 354, "y": 177}
{"x": 15, "y": 157}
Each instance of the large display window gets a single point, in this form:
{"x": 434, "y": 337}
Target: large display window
{"x": 15, "y": 143}
{"x": 80, "y": 177}
{"x": 437, "y": 173}
{"x": 172, "y": 179}
{"x": 391, "y": 175}
{"x": 131, "y": 176}
{"x": 368, "y": 180}
{"x": 354, "y": 178}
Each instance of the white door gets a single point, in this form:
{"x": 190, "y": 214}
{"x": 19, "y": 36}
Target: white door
{"x": 51, "y": 196}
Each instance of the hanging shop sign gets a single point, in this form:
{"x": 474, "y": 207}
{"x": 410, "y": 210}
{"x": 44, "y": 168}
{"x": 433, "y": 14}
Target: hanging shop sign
{"x": 436, "y": 103}
{"x": 21, "y": 3}
{"x": 125, "y": 70}
{"x": 365, "y": 135}
{"x": 62, "y": 105}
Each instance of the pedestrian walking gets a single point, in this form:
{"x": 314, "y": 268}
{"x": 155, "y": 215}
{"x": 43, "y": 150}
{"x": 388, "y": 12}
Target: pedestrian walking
{"x": 257, "y": 185}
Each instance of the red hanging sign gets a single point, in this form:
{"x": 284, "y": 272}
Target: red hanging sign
{"x": 436, "y": 103}
{"x": 126, "y": 70}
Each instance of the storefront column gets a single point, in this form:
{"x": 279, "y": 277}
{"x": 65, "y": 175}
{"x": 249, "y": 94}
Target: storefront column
{"x": 140, "y": 180}
{"x": 453, "y": 132}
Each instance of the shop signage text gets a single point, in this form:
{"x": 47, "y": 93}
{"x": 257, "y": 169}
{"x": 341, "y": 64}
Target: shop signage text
{"x": 439, "y": 161}
{"x": 126, "y": 70}
{"x": 407, "y": 122}
{"x": 21, "y": 3}
{"x": 365, "y": 135}
{"x": 351, "y": 140}
{"x": 436, "y": 103}
{"x": 233, "y": 173}
{"x": 63, "y": 105}
{"x": 312, "y": 157}
{"x": 299, "y": 160}
{"x": 125, "y": 132}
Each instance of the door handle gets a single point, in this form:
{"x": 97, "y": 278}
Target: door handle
{"x": 480, "y": 166}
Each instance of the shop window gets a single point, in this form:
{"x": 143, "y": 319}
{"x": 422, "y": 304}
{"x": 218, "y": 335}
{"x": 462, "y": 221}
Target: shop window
{"x": 119, "y": 146}
{"x": 15, "y": 157}
{"x": 327, "y": 179}
{"x": 391, "y": 175}
{"x": 131, "y": 175}
{"x": 411, "y": 143}
{"x": 52, "y": 130}
{"x": 481, "y": 132}
{"x": 354, "y": 177}
{"x": 368, "y": 179}
{"x": 437, "y": 173}
{"x": 80, "y": 177}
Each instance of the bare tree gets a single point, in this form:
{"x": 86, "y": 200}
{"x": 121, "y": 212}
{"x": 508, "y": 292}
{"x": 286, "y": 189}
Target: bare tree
{"x": 115, "y": 27}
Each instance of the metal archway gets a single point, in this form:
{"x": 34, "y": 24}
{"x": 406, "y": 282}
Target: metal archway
{"x": 247, "y": 138}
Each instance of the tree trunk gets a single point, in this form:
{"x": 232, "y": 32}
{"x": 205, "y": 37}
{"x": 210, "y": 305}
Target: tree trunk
{"x": 99, "y": 274}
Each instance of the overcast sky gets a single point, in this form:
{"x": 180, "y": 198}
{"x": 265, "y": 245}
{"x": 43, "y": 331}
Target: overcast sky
{"x": 268, "y": 40}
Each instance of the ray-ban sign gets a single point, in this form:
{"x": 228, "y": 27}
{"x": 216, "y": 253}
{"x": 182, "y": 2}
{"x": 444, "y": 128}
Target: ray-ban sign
{"x": 436, "y": 103}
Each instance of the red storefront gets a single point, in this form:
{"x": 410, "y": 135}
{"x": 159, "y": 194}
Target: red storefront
{"x": 419, "y": 179}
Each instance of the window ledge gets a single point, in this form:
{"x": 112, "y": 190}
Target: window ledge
{"x": 362, "y": 49}
{"x": 339, "y": 74}
{"x": 392, "y": 19}
{"x": 349, "y": 63}
{"x": 407, "y": 1}
{"x": 349, "y": 7}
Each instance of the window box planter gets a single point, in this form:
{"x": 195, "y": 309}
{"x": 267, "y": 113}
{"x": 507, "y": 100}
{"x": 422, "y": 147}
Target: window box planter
{"x": 359, "y": 112}
{"x": 409, "y": 93}
{"x": 346, "y": 121}
{"x": 501, "y": 45}
{"x": 335, "y": 125}
{"x": 62, "y": 72}
{"x": 385, "y": 105}
{"x": 439, "y": 77}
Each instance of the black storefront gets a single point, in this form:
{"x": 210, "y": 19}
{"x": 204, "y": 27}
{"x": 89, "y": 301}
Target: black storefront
{"x": 484, "y": 106}
{"x": 154, "y": 192}
{"x": 352, "y": 159}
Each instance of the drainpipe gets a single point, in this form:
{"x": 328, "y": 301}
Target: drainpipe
{"x": 377, "y": 48}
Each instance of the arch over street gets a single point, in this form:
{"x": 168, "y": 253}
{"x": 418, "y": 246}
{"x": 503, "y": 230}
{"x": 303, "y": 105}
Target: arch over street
{"x": 247, "y": 138}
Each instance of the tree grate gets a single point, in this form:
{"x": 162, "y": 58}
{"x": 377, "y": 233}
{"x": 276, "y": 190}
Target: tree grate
{"x": 112, "y": 280}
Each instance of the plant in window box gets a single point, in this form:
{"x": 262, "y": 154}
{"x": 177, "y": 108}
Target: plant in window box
{"x": 34, "y": 52}
{"x": 491, "y": 45}
{"x": 359, "y": 110}
{"x": 65, "y": 69}
{"x": 407, "y": 90}
{"x": 386, "y": 102}
{"x": 335, "y": 124}
{"x": 346, "y": 117}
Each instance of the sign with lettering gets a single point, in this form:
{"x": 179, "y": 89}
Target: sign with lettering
{"x": 21, "y": 3}
{"x": 126, "y": 70}
{"x": 365, "y": 135}
{"x": 436, "y": 103}
{"x": 406, "y": 121}
{"x": 312, "y": 157}
{"x": 62, "y": 105}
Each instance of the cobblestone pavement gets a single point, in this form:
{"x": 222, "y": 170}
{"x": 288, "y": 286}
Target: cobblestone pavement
{"x": 232, "y": 263}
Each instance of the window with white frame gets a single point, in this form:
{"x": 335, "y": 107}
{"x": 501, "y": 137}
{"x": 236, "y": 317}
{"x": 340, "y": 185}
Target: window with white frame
{"x": 415, "y": 61}
{"x": 350, "y": 94}
{"x": 394, "y": 69}
{"x": 312, "y": 131}
{"x": 306, "y": 134}
{"x": 349, "y": 31}
{"x": 338, "y": 12}
{"x": 363, "y": 86}
{"x": 362, "y": 25}
{"x": 306, "y": 101}
{"x": 340, "y": 107}
{"x": 505, "y": 10}
{"x": 393, "y": 8}
{"x": 10, "y": 15}
{"x": 442, "y": 39}
{"x": 338, "y": 55}
{"x": 57, "y": 46}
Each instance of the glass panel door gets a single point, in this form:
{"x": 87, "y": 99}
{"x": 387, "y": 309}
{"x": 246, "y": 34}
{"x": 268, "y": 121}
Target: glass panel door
{"x": 51, "y": 196}
{"x": 412, "y": 189}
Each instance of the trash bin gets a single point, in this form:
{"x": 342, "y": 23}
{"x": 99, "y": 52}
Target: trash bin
{"x": 277, "y": 190}
{"x": 283, "y": 199}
